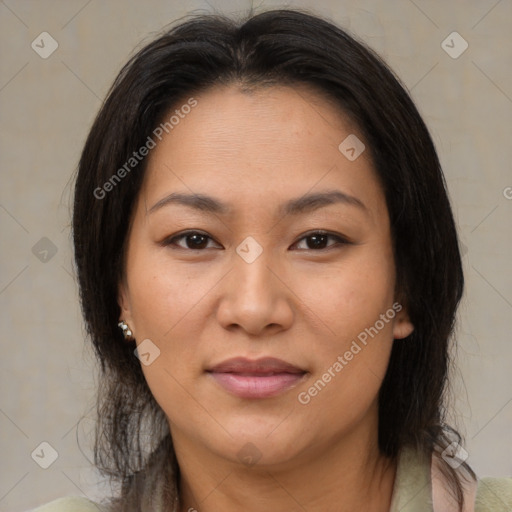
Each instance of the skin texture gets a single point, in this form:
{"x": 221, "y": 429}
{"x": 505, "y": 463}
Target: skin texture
{"x": 305, "y": 305}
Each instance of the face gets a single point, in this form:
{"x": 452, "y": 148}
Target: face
{"x": 260, "y": 278}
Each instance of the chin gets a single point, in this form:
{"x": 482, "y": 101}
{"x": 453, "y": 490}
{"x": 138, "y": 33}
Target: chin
{"x": 267, "y": 442}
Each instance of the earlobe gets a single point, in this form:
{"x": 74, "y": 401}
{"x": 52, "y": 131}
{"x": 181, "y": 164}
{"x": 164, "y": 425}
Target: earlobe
{"x": 122, "y": 300}
{"x": 125, "y": 315}
{"x": 403, "y": 326}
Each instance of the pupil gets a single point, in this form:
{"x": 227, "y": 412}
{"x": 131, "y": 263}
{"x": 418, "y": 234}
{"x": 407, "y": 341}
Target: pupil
{"x": 198, "y": 241}
{"x": 319, "y": 240}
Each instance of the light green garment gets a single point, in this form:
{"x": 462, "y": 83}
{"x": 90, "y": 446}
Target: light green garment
{"x": 412, "y": 492}
{"x": 413, "y": 488}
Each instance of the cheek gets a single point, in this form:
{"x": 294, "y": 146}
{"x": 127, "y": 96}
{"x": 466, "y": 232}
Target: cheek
{"x": 351, "y": 361}
{"x": 346, "y": 298}
{"x": 165, "y": 304}
{"x": 353, "y": 342}
{"x": 163, "y": 294}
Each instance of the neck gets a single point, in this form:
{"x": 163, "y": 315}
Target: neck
{"x": 346, "y": 475}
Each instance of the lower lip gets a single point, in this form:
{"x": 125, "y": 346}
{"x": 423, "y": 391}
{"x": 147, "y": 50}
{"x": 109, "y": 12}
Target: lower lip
{"x": 251, "y": 386}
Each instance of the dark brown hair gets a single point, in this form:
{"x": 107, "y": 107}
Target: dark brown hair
{"x": 282, "y": 47}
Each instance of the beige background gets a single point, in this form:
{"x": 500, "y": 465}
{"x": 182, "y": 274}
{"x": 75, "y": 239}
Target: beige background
{"x": 47, "y": 106}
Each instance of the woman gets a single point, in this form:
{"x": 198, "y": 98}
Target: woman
{"x": 269, "y": 273}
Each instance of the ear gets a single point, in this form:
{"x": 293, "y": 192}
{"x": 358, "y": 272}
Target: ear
{"x": 402, "y": 326}
{"x": 123, "y": 299}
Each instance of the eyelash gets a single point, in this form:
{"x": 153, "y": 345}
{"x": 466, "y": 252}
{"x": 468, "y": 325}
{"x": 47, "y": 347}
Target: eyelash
{"x": 340, "y": 240}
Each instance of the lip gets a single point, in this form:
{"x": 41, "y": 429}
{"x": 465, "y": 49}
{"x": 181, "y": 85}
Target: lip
{"x": 260, "y": 378}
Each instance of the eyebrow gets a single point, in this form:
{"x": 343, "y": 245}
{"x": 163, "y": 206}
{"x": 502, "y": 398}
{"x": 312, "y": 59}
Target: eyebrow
{"x": 300, "y": 205}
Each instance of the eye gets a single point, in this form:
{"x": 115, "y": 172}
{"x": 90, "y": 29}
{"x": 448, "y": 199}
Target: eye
{"x": 318, "y": 240}
{"x": 194, "y": 240}
{"x": 197, "y": 240}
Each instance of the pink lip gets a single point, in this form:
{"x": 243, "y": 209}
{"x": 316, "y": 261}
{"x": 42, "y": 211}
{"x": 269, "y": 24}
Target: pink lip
{"x": 261, "y": 378}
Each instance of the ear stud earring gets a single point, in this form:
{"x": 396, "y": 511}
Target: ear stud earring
{"x": 127, "y": 333}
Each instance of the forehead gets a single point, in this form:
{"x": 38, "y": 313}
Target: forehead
{"x": 231, "y": 120}
{"x": 258, "y": 144}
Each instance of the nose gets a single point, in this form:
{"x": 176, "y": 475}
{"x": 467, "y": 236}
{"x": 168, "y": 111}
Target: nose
{"x": 255, "y": 298}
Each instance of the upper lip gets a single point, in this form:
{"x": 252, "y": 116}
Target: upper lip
{"x": 264, "y": 365}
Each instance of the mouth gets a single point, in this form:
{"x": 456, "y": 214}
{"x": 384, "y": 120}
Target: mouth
{"x": 261, "y": 378}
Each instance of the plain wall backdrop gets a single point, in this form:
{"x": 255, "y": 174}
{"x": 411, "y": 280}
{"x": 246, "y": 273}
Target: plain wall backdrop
{"x": 47, "y": 373}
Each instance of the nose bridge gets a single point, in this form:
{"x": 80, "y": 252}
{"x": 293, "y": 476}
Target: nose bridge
{"x": 252, "y": 276}
{"x": 251, "y": 262}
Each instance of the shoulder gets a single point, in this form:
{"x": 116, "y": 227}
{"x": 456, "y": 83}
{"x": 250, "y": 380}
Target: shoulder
{"x": 420, "y": 486}
{"x": 71, "y": 504}
{"x": 494, "y": 495}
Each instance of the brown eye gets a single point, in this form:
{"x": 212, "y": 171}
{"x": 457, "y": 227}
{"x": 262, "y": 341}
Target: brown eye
{"x": 193, "y": 240}
{"x": 196, "y": 241}
{"x": 319, "y": 240}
